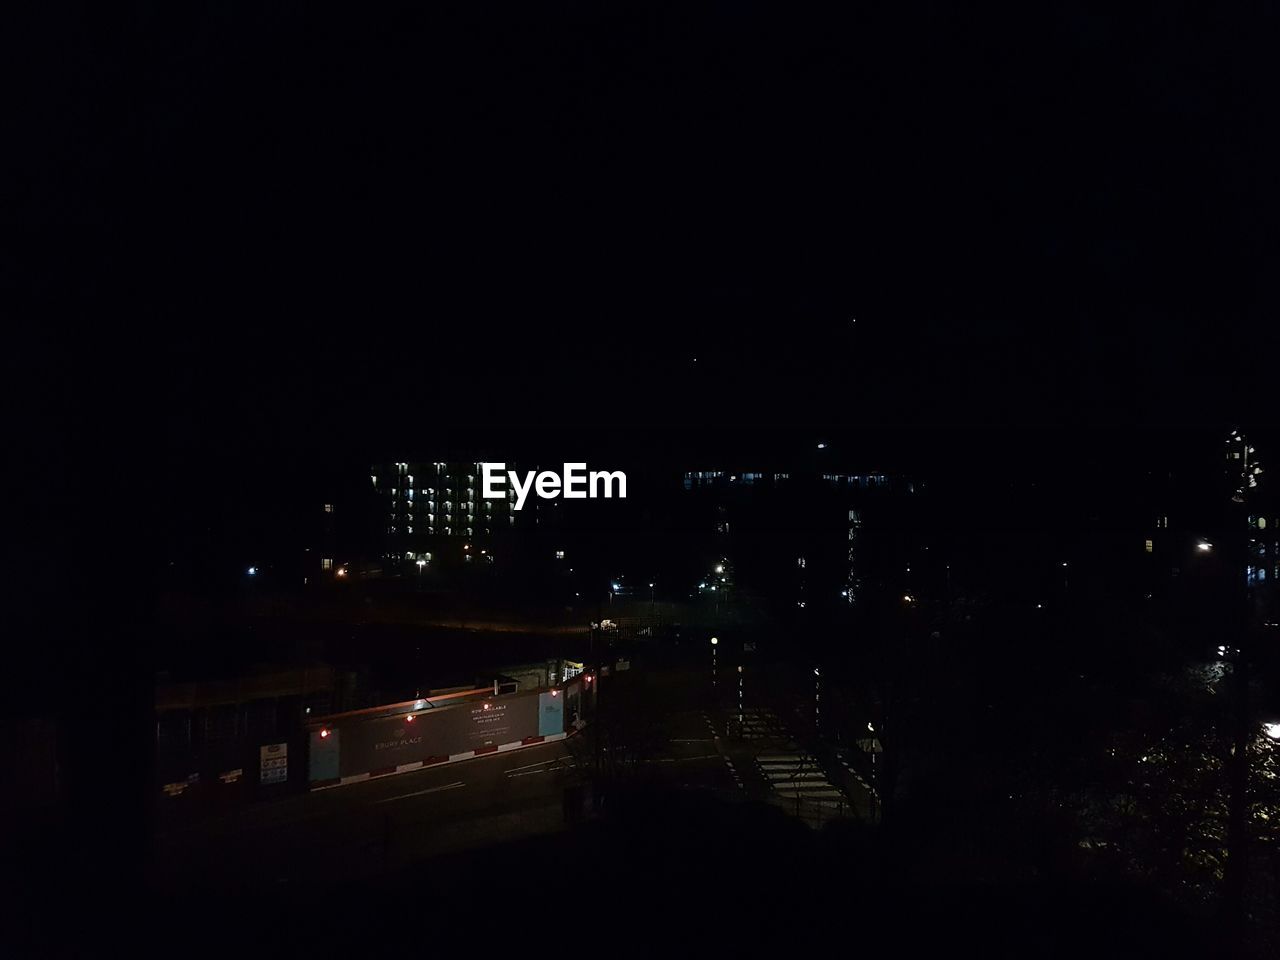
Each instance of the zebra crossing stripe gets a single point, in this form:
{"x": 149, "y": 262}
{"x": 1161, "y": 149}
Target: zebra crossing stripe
{"x": 737, "y": 780}
{"x": 808, "y": 789}
{"x": 783, "y": 765}
{"x": 795, "y": 777}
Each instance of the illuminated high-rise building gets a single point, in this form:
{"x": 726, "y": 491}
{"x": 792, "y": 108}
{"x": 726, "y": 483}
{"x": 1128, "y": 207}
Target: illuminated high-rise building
{"x": 434, "y": 512}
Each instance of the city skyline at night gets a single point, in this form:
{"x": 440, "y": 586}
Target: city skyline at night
{"x": 708, "y": 479}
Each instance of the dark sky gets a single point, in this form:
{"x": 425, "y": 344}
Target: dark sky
{"x": 255, "y": 232}
{"x": 252, "y": 246}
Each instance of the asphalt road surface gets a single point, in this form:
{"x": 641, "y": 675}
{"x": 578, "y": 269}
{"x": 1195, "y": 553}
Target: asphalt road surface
{"x": 369, "y": 828}
{"x": 350, "y": 831}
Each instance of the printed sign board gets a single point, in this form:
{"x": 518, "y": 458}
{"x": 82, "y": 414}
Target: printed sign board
{"x": 432, "y": 734}
{"x": 273, "y": 763}
{"x": 550, "y": 713}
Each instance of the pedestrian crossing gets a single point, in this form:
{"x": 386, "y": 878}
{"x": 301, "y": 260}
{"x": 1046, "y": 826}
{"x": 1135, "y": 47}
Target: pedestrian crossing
{"x": 857, "y": 776}
{"x": 760, "y": 725}
{"x": 715, "y": 738}
{"x": 798, "y": 776}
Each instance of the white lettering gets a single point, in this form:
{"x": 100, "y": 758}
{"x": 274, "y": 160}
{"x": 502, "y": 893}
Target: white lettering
{"x": 521, "y": 492}
{"x": 609, "y": 479}
{"x": 575, "y": 484}
{"x": 570, "y": 478}
{"x": 548, "y": 485}
{"x": 489, "y": 477}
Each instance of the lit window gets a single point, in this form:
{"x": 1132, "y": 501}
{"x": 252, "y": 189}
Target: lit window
{"x": 559, "y": 554}
{"x": 1149, "y": 546}
{"x": 326, "y": 563}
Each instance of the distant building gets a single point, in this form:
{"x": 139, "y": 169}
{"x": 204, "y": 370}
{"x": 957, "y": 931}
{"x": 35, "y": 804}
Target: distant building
{"x": 798, "y": 535}
{"x": 434, "y": 513}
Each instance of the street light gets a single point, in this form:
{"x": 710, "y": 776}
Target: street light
{"x": 1204, "y": 546}
{"x": 817, "y": 698}
{"x": 1272, "y": 730}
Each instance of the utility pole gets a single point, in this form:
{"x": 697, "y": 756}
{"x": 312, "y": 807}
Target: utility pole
{"x": 595, "y": 712}
{"x": 1242, "y": 470}
{"x": 817, "y": 701}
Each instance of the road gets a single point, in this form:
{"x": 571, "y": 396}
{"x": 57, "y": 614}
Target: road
{"x": 352, "y": 830}
{"x": 378, "y": 825}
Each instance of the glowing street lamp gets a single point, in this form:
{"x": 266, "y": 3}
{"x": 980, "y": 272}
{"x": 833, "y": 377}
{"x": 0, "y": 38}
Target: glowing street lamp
{"x": 1272, "y": 730}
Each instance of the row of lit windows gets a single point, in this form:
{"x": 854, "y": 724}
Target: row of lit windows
{"x": 700, "y": 477}
{"x": 857, "y": 480}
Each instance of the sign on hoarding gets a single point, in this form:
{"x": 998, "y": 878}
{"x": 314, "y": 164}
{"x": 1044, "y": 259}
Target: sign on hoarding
{"x": 434, "y": 734}
{"x": 550, "y": 713}
{"x": 274, "y": 763}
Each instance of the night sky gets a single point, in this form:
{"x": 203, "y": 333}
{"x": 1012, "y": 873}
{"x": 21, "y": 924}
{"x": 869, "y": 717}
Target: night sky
{"x": 252, "y": 247}
{"x": 260, "y": 237}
